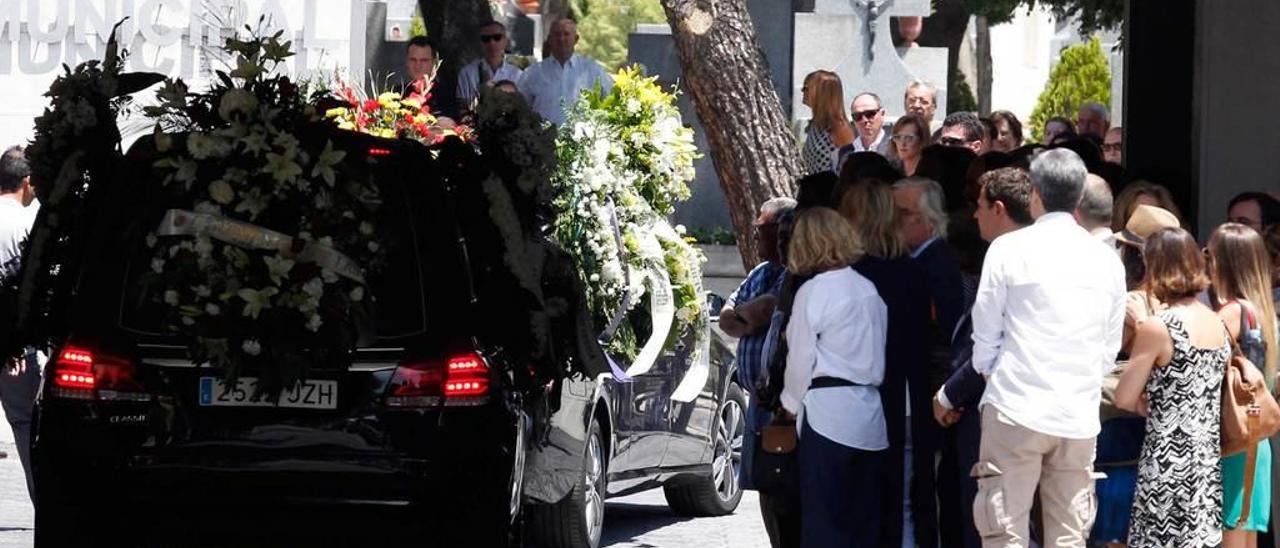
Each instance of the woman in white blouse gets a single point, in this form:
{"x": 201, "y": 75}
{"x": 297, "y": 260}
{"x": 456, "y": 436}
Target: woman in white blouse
{"x": 835, "y": 361}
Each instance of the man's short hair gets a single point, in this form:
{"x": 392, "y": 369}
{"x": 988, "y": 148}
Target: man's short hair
{"x": 932, "y": 202}
{"x": 972, "y": 125}
{"x": 879, "y": 103}
{"x": 1010, "y": 186}
{"x": 932, "y": 89}
{"x": 13, "y": 169}
{"x": 1058, "y": 175}
{"x": 774, "y": 207}
{"x": 1096, "y": 202}
{"x": 1268, "y": 206}
{"x": 492, "y": 23}
{"x": 1097, "y": 108}
{"x": 423, "y": 42}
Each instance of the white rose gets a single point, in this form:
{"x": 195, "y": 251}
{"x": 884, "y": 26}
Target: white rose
{"x": 357, "y": 294}
{"x": 212, "y": 309}
{"x": 314, "y": 322}
{"x": 373, "y": 247}
{"x": 171, "y": 297}
{"x": 366, "y": 228}
{"x": 314, "y": 288}
{"x": 251, "y": 347}
{"x": 203, "y": 291}
{"x": 236, "y": 101}
{"x": 157, "y": 265}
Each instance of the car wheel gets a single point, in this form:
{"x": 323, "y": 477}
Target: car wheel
{"x": 719, "y": 493}
{"x": 578, "y": 520}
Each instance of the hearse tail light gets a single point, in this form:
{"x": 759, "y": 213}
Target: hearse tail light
{"x": 457, "y": 381}
{"x": 379, "y": 152}
{"x": 83, "y": 374}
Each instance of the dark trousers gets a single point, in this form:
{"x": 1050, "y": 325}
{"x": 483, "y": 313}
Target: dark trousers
{"x": 781, "y": 513}
{"x": 18, "y": 396}
{"x": 839, "y": 493}
{"x": 956, "y": 488}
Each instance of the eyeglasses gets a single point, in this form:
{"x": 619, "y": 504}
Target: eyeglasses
{"x": 952, "y": 142}
{"x": 1108, "y": 147}
{"x": 491, "y": 37}
{"x": 905, "y": 138}
{"x": 866, "y": 114}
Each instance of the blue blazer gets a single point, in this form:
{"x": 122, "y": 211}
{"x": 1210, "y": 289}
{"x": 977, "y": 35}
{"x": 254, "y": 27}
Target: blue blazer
{"x": 965, "y": 386}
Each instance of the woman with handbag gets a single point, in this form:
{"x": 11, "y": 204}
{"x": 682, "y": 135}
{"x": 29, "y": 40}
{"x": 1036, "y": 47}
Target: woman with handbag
{"x": 1239, "y": 269}
{"x": 1174, "y": 378}
{"x": 835, "y": 362}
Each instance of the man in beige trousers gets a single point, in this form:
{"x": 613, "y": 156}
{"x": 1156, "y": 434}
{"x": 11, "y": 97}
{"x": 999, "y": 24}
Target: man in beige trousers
{"x": 1047, "y": 323}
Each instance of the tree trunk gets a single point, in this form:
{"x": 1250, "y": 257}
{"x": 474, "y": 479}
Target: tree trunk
{"x": 452, "y": 25}
{"x": 985, "y": 75}
{"x": 945, "y": 28}
{"x": 727, "y": 79}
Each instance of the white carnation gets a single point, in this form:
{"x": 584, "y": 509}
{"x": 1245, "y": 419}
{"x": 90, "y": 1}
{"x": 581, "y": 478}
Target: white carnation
{"x": 251, "y": 347}
{"x": 171, "y": 297}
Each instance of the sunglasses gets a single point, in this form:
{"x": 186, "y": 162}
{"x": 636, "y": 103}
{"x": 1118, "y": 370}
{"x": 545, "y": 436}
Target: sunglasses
{"x": 491, "y": 37}
{"x": 866, "y": 114}
{"x": 905, "y": 138}
{"x": 951, "y": 142}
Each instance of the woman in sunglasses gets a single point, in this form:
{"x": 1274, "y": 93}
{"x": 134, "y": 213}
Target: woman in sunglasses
{"x": 910, "y": 135}
{"x": 829, "y": 129}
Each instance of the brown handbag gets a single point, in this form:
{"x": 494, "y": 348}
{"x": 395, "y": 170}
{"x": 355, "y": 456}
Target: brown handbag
{"x": 1249, "y": 415}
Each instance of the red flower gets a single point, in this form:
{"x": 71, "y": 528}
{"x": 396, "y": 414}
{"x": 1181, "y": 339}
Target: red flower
{"x": 370, "y": 105}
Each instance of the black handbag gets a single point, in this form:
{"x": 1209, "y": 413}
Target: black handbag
{"x": 774, "y": 469}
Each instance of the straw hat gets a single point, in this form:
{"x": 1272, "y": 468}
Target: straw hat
{"x": 1144, "y": 222}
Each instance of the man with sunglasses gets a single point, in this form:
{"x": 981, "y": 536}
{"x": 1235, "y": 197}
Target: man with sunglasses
{"x": 868, "y": 122}
{"x": 962, "y": 129}
{"x": 490, "y": 68}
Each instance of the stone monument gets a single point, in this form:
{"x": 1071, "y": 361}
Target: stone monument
{"x": 853, "y": 39}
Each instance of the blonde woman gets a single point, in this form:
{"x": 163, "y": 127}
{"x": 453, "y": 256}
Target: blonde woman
{"x": 1240, "y": 273}
{"x": 835, "y": 362}
{"x": 829, "y": 129}
{"x": 870, "y": 208}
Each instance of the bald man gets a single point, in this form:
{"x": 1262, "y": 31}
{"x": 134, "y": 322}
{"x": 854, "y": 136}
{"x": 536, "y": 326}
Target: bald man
{"x": 553, "y": 85}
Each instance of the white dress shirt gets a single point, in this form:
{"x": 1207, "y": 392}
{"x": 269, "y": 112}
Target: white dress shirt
{"x": 1047, "y": 323}
{"x": 877, "y": 145}
{"x": 469, "y": 78}
{"x": 15, "y": 225}
{"x": 551, "y": 88}
{"x": 837, "y": 329}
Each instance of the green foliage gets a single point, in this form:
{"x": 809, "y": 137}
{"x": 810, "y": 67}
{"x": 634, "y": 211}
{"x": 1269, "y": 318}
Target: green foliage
{"x": 417, "y": 27}
{"x": 1094, "y": 15}
{"x": 718, "y": 235}
{"x": 960, "y": 96}
{"x": 1081, "y": 76}
{"x": 603, "y": 26}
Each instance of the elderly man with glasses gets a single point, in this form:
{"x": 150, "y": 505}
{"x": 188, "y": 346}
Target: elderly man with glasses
{"x": 491, "y": 68}
{"x": 868, "y": 122}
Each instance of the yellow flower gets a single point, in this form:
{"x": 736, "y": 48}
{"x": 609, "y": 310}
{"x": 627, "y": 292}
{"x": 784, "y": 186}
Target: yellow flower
{"x": 412, "y": 103}
{"x": 335, "y": 112}
{"x": 346, "y": 125}
{"x": 388, "y": 99}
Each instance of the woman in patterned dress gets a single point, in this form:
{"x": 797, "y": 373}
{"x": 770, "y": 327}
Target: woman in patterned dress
{"x": 1174, "y": 378}
{"x": 829, "y": 129}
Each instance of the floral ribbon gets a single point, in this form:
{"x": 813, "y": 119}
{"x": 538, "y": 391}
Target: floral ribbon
{"x": 180, "y": 222}
{"x": 662, "y": 312}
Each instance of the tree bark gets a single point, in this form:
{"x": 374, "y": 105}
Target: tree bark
{"x": 727, "y": 78}
{"x": 945, "y": 28}
{"x": 985, "y": 76}
{"x": 452, "y": 25}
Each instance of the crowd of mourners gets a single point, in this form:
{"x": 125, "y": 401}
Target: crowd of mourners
{"x": 973, "y": 340}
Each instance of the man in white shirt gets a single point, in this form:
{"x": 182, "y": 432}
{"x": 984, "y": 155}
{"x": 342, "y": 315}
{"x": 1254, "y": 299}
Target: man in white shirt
{"x": 553, "y": 85}
{"x": 868, "y": 122}
{"x": 490, "y": 69}
{"x": 1047, "y": 323}
{"x": 20, "y": 375}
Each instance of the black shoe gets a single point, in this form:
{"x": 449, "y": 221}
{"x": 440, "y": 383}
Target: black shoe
{"x": 3, "y": 455}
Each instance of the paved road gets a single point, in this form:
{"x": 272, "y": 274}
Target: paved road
{"x": 637, "y": 521}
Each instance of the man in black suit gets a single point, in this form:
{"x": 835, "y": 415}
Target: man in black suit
{"x": 1003, "y": 207}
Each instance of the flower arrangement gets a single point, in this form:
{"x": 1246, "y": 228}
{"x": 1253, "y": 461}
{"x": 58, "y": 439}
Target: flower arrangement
{"x": 74, "y": 156}
{"x": 267, "y": 267}
{"x": 390, "y": 115}
{"x": 626, "y": 159}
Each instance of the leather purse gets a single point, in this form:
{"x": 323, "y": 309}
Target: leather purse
{"x": 1250, "y": 414}
{"x": 774, "y": 469}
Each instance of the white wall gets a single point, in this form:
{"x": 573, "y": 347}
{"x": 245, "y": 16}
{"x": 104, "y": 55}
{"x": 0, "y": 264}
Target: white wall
{"x": 174, "y": 37}
{"x": 1020, "y": 61}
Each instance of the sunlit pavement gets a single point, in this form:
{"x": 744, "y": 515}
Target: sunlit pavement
{"x": 637, "y": 521}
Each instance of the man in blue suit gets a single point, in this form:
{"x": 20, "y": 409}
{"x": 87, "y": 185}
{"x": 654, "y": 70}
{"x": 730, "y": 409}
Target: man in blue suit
{"x": 1003, "y": 207}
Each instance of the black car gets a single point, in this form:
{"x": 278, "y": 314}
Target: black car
{"x": 425, "y": 429}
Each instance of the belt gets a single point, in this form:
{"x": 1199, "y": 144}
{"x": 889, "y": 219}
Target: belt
{"x": 831, "y": 382}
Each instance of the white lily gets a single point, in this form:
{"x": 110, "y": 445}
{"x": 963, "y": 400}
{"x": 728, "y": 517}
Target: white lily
{"x": 256, "y": 299}
{"x": 277, "y": 267}
{"x": 324, "y": 164}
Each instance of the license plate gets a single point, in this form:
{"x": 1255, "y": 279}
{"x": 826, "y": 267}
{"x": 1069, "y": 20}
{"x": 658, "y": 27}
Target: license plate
{"x": 309, "y": 394}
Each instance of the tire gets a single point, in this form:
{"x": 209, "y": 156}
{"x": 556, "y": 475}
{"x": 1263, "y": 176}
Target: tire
{"x": 719, "y": 493}
{"x": 578, "y": 520}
